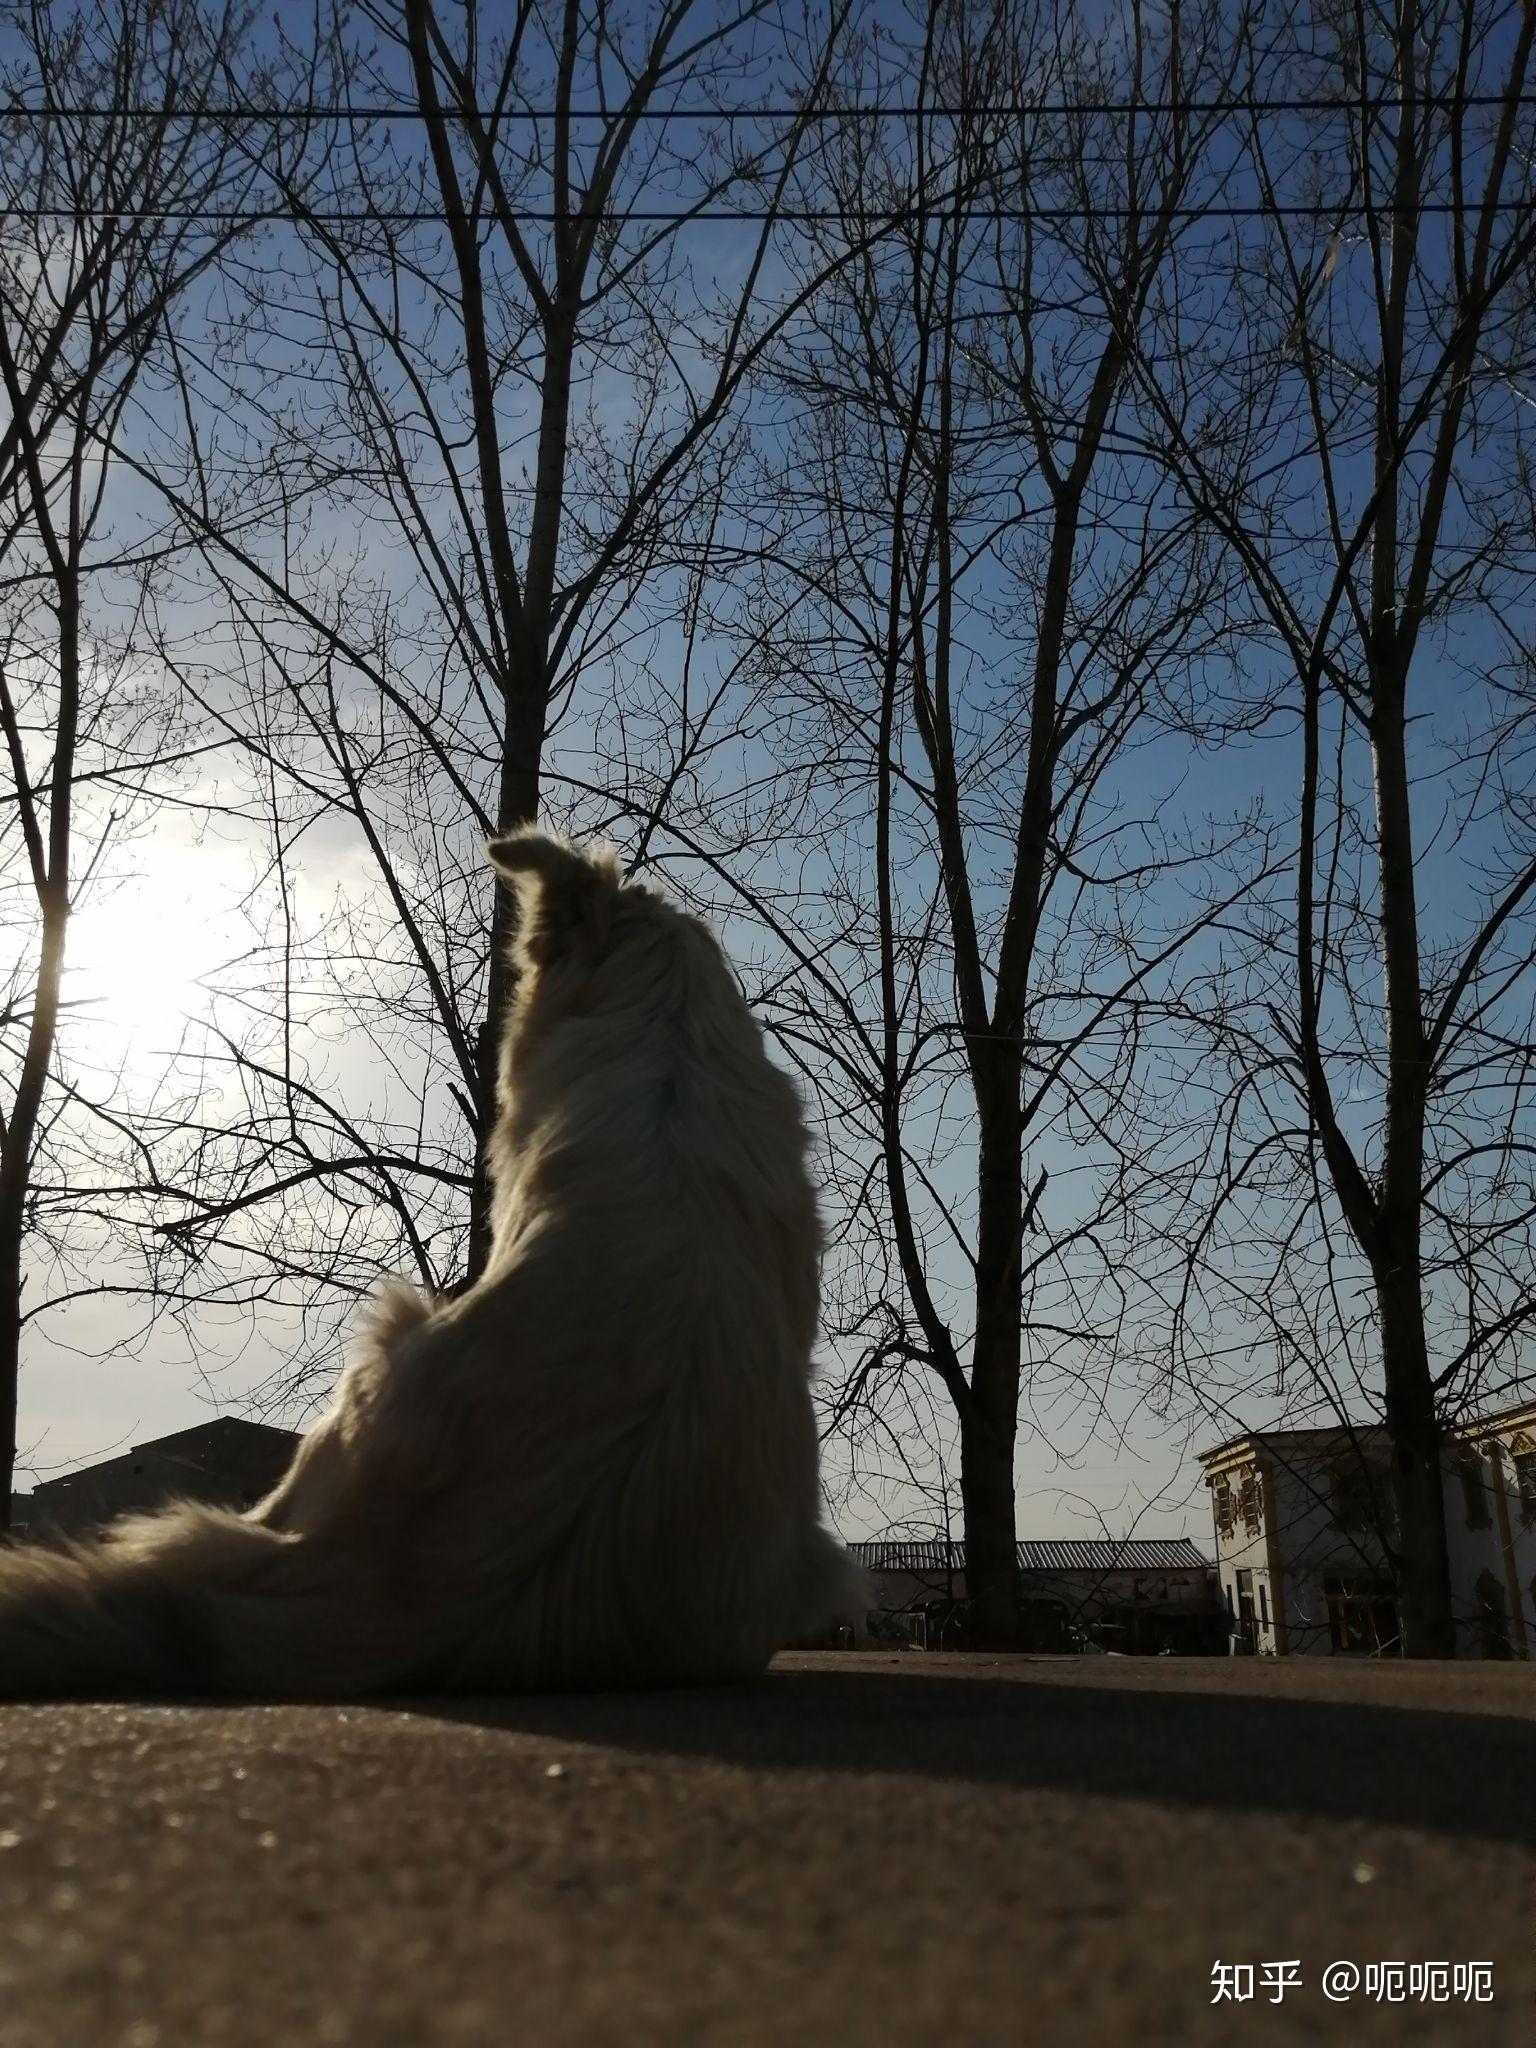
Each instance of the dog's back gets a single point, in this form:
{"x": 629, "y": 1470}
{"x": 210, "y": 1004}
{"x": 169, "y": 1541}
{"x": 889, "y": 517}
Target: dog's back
{"x": 632, "y": 1374}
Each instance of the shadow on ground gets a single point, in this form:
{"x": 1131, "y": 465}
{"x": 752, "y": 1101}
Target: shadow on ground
{"x": 1465, "y": 1775}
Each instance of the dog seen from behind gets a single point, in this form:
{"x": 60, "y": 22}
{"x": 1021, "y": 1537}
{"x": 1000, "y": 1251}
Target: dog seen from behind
{"x": 596, "y": 1466}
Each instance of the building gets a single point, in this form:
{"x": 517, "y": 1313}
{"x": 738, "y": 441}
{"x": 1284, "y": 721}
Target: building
{"x": 1149, "y": 1592}
{"x": 1304, "y": 1522}
{"x": 226, "y": 1463}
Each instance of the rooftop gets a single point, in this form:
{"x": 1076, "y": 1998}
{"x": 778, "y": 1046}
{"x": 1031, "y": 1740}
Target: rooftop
{"x": 219, "y": 1433}
{"x": 1324, "y": 1435}
{"x": 1040, "y": 1554}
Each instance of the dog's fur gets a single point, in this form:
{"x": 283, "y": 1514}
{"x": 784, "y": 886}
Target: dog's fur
{"x": 598, "y": 1465}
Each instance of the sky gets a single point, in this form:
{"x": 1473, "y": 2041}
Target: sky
{"x": 191, "y": 894}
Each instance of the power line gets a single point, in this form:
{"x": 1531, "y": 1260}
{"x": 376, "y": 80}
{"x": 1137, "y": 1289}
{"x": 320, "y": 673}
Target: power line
{"x": 864, "y": 217}
{"x": 903, "y": 110}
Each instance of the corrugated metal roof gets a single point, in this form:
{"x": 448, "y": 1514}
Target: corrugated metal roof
{"x": 1041, "y": 1554}
{"x": 1131, "y": 1554}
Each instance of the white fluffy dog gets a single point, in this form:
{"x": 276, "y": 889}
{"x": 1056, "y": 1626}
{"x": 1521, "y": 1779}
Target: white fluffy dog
{"x": 598, "y": 1465}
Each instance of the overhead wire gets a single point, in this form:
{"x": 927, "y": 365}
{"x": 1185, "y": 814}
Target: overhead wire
{"x": 853, "y": 110}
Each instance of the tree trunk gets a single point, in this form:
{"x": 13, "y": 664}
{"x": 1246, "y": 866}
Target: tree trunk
{"x": 10, "y": 1372}
{"x": 16, "y": 1170}
{"x": 20, "y": 1132}
{"x": 991, "y": 1553}
{"x": 518, "y": 804}
{"x": 990, "y": 1432}
{"x": 1423, "y": 1566}
{"x": 529, "y": 631}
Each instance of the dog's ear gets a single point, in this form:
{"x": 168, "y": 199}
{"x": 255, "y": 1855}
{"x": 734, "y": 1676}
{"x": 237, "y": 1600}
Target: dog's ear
{"x": 563, "y": 893}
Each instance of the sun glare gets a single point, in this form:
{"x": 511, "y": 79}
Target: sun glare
{"x": 138, "y": 953}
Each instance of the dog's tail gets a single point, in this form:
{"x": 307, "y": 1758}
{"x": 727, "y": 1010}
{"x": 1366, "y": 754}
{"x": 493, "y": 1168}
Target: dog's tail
{"x": 194, "y": 1600}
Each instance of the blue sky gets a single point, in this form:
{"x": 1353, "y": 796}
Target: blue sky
{"x": 86, "y": 1390}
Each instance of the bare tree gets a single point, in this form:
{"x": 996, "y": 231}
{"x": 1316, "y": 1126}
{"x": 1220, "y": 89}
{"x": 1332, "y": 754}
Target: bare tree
{"x": 519, "y": 391}
{"x": 967, "y": 684}
{"x": 1361, "y": 441}
{"x": 103, "y": 191}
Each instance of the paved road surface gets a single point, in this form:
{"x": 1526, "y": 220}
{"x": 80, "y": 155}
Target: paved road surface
{"x": 855, "y": 1850}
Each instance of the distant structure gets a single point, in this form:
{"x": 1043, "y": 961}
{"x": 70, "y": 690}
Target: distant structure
{"x": 1141, "y": 1593}
{"x": 227, "y": 1463}
{"x": 1304, "y": 1522}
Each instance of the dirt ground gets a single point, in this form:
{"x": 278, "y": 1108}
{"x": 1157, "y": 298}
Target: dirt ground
{"x": 857, "y": 1849}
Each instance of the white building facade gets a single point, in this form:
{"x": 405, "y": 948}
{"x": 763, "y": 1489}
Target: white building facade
{"x": 1304, "y": 1527}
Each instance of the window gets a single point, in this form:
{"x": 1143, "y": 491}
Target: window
{"x": 1523, "y": 1458}
{"x": 1474, "y": 1493}
{"x": 1357, "y": 1502}
{"x": 1264, "y": 1602}
{"x": 1362, "y": 1615}
{"x": 1250, "y": 1502}
{"x": 1223, "y": 1507}
{"x": 1492, "y": 1617}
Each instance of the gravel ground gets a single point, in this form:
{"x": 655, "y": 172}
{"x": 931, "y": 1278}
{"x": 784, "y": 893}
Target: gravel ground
{"x": 855, "y": 1849}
